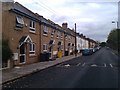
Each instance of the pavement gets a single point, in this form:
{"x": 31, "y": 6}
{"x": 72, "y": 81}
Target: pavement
{"x": 21, "y": 71}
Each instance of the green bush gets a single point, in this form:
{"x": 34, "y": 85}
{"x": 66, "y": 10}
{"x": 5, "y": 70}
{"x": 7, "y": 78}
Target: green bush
{"x": 6, "y": 51}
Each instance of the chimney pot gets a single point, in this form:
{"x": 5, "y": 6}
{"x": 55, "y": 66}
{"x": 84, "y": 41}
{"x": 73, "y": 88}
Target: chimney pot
{"x": 65, "y": 25}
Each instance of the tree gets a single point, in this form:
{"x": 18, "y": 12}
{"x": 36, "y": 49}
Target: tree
{"x": 103, "y": 44}
{"x": 113, "y": 39}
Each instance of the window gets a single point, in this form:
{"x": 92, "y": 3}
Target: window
{"x": 52, "y": 32}
{"x": 44, "y": 47}
{"x": 19, "y": 22}
{"x": 32, "y": 26}
{"x": 61, "y": 35}
{"x": 58, "y": 34}
{"x": 69, "y": 37}
{"x": 45, "y": 31}
{"x": 31, "y": 48}
{"x": 62, "y": 47}
{"x": 66, "y": 36}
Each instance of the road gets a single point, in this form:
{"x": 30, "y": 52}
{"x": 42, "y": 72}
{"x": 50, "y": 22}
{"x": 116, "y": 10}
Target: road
{"x": 99, "y": 70}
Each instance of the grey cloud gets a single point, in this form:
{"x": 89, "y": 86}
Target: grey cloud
{"x": 102, "y": 18}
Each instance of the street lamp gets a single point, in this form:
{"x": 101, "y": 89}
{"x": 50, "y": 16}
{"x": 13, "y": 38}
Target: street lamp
{"x": 75, "y": 42}
{"x": 116, "y": 23}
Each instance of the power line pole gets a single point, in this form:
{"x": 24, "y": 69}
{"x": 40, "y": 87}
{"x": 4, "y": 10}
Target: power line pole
{"x": 75, "y": 42}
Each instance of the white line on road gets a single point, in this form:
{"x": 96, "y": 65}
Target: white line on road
{"x": 78, "y": 64}
{"x": 104, "y": 65}
{"x": 67, "y": 65}
{"x": 83, "y": 64}
{"x": 93, "y": 65}
{"x": 111, "y": 65}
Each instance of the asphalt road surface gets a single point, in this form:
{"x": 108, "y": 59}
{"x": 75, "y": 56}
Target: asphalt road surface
{"x": 99, "y": 70}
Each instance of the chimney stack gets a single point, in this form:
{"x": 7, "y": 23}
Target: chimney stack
{"x": 65, "y": 25}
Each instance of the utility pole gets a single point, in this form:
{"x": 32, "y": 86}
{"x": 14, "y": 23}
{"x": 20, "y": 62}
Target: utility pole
{"x": 118, "y": 31}
{"x": 75, "y": 42}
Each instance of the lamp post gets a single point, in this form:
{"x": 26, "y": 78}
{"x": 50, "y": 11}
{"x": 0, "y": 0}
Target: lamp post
{"x": 116, "y": 23}
{"x": 118, "y": 31}
{"x": 75, "y": 42}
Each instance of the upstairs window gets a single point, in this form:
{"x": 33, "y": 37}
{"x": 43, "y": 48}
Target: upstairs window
{"x": 61, "y": 35}
{"x": 19, "y": 22}
{"x": 45, "y": 31}
{"x": 58, "y": 34}
{"x": 52, "y": 32}
{"x": 32, "y": 26}
{"x": 69, "y": 37}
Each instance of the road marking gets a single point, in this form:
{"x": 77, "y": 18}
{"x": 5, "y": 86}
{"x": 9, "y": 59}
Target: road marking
{"x": 67, "y": 65}
{"x": 78, "y": 64}
{"x": 111, "y": 65}
{"x": 83, "y": 64}
{"x": 93, "y": 65}
{"x": 104, "y": 65}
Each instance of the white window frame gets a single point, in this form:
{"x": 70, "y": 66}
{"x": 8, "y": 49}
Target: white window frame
{"x": 45, "y": 30}
{"x": 19, "y": 21}
{"x": 45, "y": 47}
{"x": 33, "y": 26}
{"x": 52, "y": 32}
{"x": 32, "y": 49}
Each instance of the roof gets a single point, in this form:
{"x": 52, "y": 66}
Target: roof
{"x": 24, "y": 39}
{"x": 20, "y": 9}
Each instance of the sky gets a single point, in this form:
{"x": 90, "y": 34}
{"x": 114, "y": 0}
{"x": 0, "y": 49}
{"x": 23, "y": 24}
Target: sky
{"x": 92, "y": 17}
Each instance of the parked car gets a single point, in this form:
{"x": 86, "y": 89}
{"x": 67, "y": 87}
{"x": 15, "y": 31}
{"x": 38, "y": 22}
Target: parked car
{"x": 87, "y": 51}
{"x": 96, "y": 49}
{"x": 92, "y": 50}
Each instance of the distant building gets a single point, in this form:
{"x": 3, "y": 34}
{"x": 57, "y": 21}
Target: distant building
{"x": 69, "y": 40}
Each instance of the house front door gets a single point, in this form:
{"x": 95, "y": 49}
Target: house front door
{"x": 50, "y": 52}
{"x": 22, "y": 54}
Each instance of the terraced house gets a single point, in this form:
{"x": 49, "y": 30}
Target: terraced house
{"x": 21, "y": 29}
{"x": 33, "y": 38}
{"x": 52, "y": 39}
{"x": 30, "y": 35}
{"x": 69, "y": 40}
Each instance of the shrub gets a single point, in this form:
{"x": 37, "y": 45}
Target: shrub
{"x": 6, "y": 51}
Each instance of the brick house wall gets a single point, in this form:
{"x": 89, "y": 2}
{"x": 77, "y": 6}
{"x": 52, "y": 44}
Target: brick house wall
{"x": 13, "y": 34}
{"x": 69, "y": 39}
{"x": 54, "y": 33}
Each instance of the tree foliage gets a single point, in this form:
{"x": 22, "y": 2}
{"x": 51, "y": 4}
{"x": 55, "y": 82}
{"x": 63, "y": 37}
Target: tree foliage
{"x": 6, "y": 51}
{"x": 103, "y": 44}
{"x": 113, "y": 40}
